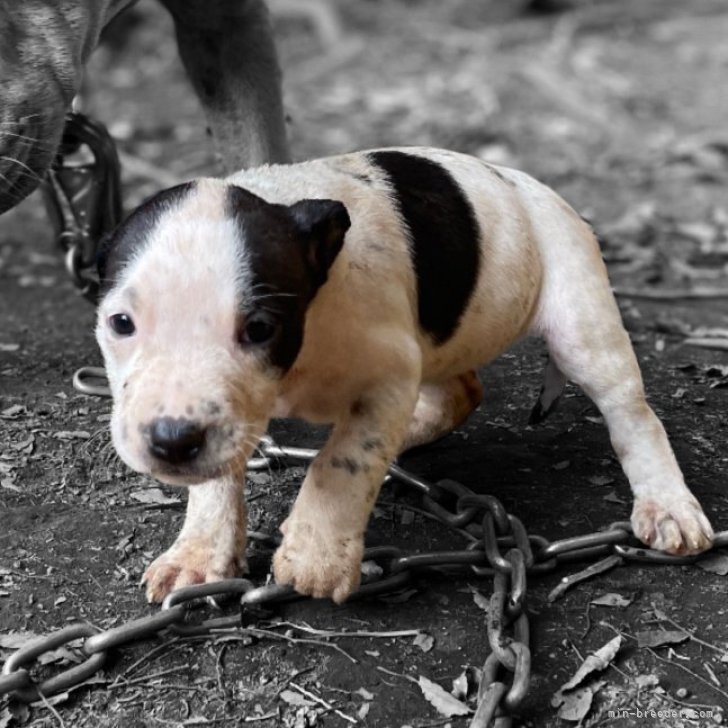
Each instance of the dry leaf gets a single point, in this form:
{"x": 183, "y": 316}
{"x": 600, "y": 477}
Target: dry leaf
{"x": 16, "y": 640}
{"x": 660, "y": 637}
{"x": 293, "y": 698}
{"x": 460, "y": 686}
{"x": 647, "y": 681}
{"x": 601, "y": 480}
{"x": 424, "y": 641}
{"x": 599, "y": 660}
{"x": 72, "y": 435}
{"x": 575, "y": 706}
{"x": 444, "y": 703}
{"x": 715, "y": 563}
{"x": 612, "y": 497}
{"x": 13, "y": 412}
{"x": 611, "y": 599}
{"x": 154, "y": 496}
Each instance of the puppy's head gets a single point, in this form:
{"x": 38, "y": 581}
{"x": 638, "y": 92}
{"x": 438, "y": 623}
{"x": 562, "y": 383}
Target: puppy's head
{"x": 204, "y": 291}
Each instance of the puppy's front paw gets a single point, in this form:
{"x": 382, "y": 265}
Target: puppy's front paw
{"x": 318, "y": 563}
{"x": 677, "y": 526}
{"x": 191, "y": 561}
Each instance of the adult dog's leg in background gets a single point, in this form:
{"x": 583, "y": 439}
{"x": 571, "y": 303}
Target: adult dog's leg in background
{"x": 228, "y": 50}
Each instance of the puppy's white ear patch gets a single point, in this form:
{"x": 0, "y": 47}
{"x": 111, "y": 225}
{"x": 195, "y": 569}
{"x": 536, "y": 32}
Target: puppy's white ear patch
{"x": 322, "y": 224}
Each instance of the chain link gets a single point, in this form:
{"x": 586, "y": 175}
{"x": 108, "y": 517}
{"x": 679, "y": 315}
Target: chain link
{"x": 83, "y": 197}
{"x": 497, "y": 545}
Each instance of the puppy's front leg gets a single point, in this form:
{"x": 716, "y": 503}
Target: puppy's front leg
{"x": 323, "y": 538}
{"x": 211, "y": 544}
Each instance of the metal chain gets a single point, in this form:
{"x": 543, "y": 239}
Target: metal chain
{"x": 497, "y": 545}
{"x": 83, "y": 198}
{"x": 84, "y": 203}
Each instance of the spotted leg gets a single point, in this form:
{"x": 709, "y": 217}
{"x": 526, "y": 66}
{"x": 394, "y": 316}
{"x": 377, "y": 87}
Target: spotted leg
{"x": 323, "y": 537}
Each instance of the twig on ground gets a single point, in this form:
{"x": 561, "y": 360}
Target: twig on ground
{"x": 218, "y": 669}
{"x": 698, "y": 293}
{"x": 55, "y": 713}
{"x": 258, "y": 718}
{"x": 145, "y": 658}
{"x": 689, "y": 671}
{"x": 664, "y": 618}
{"x": 568, "y": 581}
{"x": 298, "y": 641}
{"x": 587, "y": 614}
{"x": 143, "y": 678}
{"x": 708, "y": 343}
{"x": 322, "y": 702}
{"x": 396, "y": 674}
{"x": 711, "y": 674}
{"x": 359, "y": 633}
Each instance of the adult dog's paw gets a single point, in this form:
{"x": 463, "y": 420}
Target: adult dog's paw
{"x": 677, "y": 526}
{"x": 317, "y": 562}
{"x": 190, "y": 561}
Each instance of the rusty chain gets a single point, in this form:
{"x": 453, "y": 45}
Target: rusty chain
{"x": 496, "y": 545}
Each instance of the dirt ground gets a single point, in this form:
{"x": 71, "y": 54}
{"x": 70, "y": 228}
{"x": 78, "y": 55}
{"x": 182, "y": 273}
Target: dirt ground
{"x": 621, "y": 107}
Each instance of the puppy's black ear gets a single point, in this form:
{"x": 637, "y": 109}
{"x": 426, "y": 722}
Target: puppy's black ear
{"x": 322, "y": 224}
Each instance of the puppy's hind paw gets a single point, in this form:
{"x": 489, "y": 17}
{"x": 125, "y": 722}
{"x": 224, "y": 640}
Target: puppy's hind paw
{"x": 677, "y": 526}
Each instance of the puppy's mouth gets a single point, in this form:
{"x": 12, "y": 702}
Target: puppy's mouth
{"x": 194, "y": 473}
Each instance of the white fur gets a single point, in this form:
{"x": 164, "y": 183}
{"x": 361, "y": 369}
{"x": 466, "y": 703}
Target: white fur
{"x": 365, "y": 364}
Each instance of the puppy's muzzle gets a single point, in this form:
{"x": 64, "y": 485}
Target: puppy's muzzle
{"x": 175, "y": 441}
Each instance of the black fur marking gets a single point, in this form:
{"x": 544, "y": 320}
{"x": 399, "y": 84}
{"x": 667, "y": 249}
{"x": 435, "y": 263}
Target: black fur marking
{"x": 289, "y": 251}
{"x": 539, "y": 413}
{"x": 212, "y": 408}
{"x": 445, "y": 240}
{"x": 349, "y": 464}
{"x": 118, "y": 247}
{"x": 373, "y": 443}
{"x": 358, "y": 408}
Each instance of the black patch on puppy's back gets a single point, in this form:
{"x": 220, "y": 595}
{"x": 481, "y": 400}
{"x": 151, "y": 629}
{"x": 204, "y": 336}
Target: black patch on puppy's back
{"x": 444, "y": 234}
{"x": 121, "y": 244}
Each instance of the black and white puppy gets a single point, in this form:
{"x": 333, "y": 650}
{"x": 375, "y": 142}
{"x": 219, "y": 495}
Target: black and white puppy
{"x": 363, "y": 291}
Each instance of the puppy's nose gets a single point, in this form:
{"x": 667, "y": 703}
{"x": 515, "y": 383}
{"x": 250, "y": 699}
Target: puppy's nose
{"x": 175, "y": 440}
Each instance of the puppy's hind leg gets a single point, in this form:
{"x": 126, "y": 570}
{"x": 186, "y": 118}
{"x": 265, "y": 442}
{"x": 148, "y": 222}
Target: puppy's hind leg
{"x": 586, "y": 339}
{"x": 551, "y": 391}
{"x": 442, "y": 407}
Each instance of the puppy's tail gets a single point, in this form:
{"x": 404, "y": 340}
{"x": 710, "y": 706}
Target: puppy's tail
{"x": 551, "y": 390}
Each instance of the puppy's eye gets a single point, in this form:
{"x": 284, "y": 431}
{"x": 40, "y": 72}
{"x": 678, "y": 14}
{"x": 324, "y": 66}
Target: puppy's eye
{"x": 121, "y": 324}
{"x": 257, "y": 331}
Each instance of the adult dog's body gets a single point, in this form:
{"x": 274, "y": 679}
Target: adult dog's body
{"x": 226, "y": 303}
{"x": 227, "y": 49}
